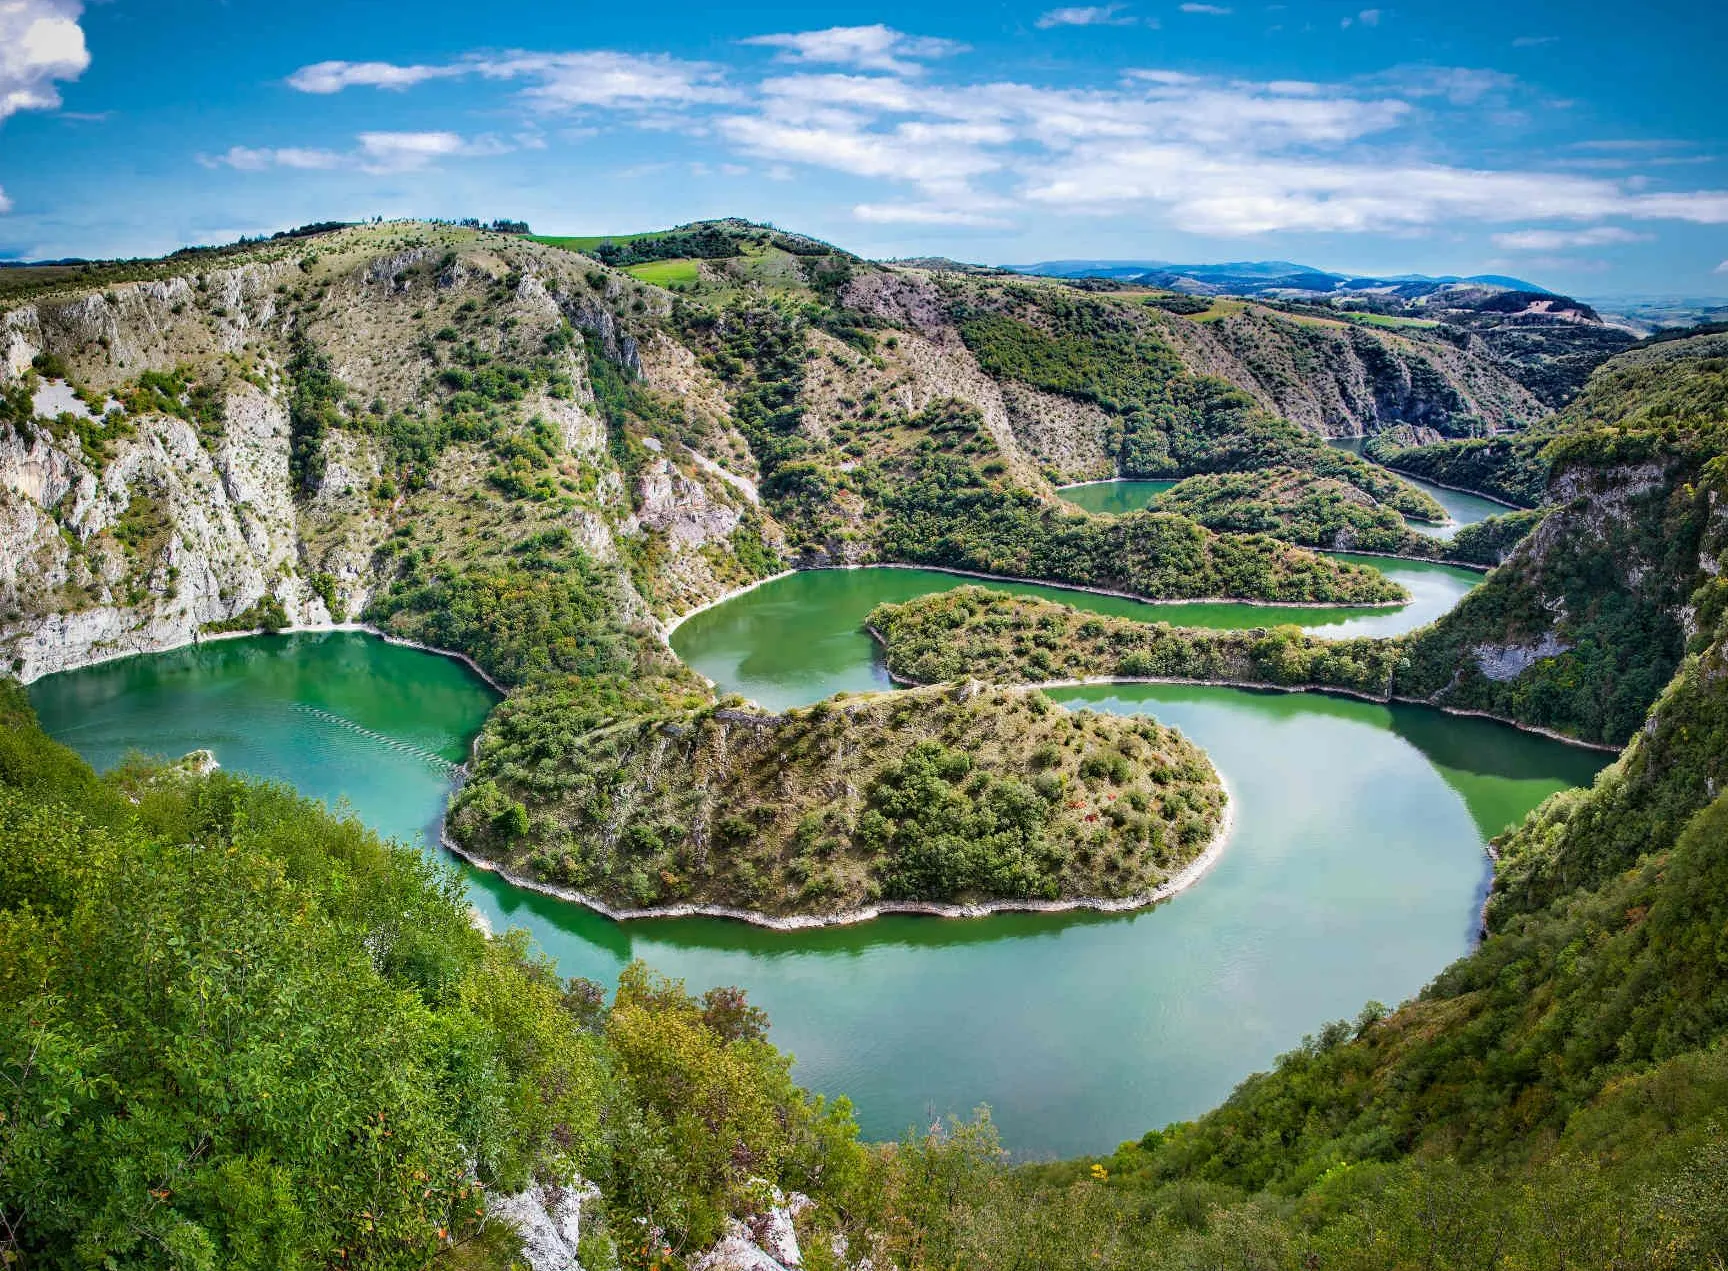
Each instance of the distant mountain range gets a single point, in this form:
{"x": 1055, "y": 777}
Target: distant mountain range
{"x": 1262, "y": 277}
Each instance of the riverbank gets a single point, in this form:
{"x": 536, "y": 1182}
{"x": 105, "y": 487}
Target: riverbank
{"x": 1456, "y": 489}
{"x": 1183, "y": 879}
{"x": 1416, "y": 560}
{"x": 1328, "y": 689}
{"x": 668, "y": 627}
{"x": 308, "y": 628}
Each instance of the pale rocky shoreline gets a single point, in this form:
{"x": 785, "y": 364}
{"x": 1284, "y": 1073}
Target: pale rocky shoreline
{"x": 1183, "y": 879}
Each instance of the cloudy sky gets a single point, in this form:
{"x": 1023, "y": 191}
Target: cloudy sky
{"x": 1579, "y": 144}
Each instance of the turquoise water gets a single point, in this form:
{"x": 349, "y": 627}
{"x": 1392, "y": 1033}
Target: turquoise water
{"x": 801, "y": 638}
{"x": 1355, "y": 871}
{"x": 1112, "y": 498}
{"x": 1464, "y": 509}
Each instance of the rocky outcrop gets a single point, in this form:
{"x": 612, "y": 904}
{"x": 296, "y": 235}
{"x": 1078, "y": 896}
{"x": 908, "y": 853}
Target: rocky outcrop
{"x": 548, "y": 1217}
{"x": 902, "y": 297}
{"x": 1502, "y": 663}
{"x": 767, "y": 1241}
{"x": 1343, "y": 380}
{"x": 679, "y": 506}
{"x": 140, "y": 552}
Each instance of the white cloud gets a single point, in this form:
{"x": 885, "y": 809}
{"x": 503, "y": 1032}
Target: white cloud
{"x": 1369, "y": 17}
{"x": 921, "y": 214}
{"x": 376, "y": 152}
{"x": 941, "y": 158}
{"x": 406, "y": 151}
{"x": 1216, "y": 10}
{"x": 248, "y": 159}
{"x": 40, "y": 42}
{"x": 1549, "y": 240}
{"x": 1208, "y": 192}
{"x": 6, "y": 204}
{"x": 1533, "y": 41}
{"x": 613, "y": 80}
{"x": 1634, "y": 144}
{"x": 1170, "y": 79}
{"x": 333, "y": 77}
{"x": 1459, "y": 85}
{"x": 1722, "y": 268}
{"x": 1084, "y": 15}
{"x": 557, "y": 81}
{"x": 868, "y": 48}
{"x": 1201, "y": 153}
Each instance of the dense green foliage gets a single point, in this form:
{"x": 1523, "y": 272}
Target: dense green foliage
{"x": 243, "y": 1128}
{"x": 959, "y": 795}
{"x": 1295, "y": 505}
{"x": 1491, "y": 540}
{"x": 264, "y": 614}
{"x": 933, "y": 488}
{"x": 1170, "y": 421}
{"x": 1512, "y": 469}
{"x": 1006, "y": 639}
{"x": 1588, "y": 618}
{"x": 948, "y": 513}
{"x": 236, "y": 1032}
{"x": 705, "y": 242}
{"x": 1668, "y": 772}
{"x": 522, "y": 618}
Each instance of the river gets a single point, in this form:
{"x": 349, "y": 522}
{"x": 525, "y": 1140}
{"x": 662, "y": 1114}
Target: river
{"x": 1355, "y": 870}
{"x": 1117, "y": 497}
{"x": 1463, "y": 508}
{"x": 1113, "y": 498}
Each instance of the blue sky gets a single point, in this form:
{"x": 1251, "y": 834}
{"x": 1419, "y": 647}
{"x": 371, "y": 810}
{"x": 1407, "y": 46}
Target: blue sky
{"x": 1578, "y": 144}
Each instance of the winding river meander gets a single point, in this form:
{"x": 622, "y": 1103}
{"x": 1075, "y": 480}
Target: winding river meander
{"x": 1355, "y": 870}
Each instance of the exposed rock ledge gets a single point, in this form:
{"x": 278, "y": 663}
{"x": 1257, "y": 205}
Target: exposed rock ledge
{"x": 1501, "y": 663}
{"x": 549, "y": 1219}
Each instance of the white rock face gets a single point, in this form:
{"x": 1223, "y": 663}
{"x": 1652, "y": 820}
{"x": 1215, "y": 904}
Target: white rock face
{"x": 549, "y": 1218}
{"x": 1503, "y": 663}
{"x": 227, "y": 520}
{"x": 680, "y": 506}
{"x": 763, "y": 1242}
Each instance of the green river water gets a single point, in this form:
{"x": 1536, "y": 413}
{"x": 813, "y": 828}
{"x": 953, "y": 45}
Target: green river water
{"x": 1114, "y": 497}
{"x": 1463, "y": 508}
{"x": 1355, "y": 870}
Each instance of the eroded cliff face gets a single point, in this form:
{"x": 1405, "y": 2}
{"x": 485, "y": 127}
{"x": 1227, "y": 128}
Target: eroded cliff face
{"x": 143, "y": 551}
{"x": 1591, "y": 614}
{"x": 1343, "y": 381}
{"x": 1331, "y": 376}
{"x": 154, "y": 524}
{"x": 295, "y": 426}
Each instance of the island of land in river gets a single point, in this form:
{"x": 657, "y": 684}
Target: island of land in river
{"x": 1302, "y": 917}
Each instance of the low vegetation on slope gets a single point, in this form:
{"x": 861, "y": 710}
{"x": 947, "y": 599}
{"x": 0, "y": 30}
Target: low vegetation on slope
{"x": 375, "y": 1071}
{"x": 1491, "y": 540}
{"x": 1168, "y": 421}
{"x": 957, "y": 795}
{"x": 950, "y": 515}
{"x": 1006, "y": 639}
{"x": 938, "y": 487}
